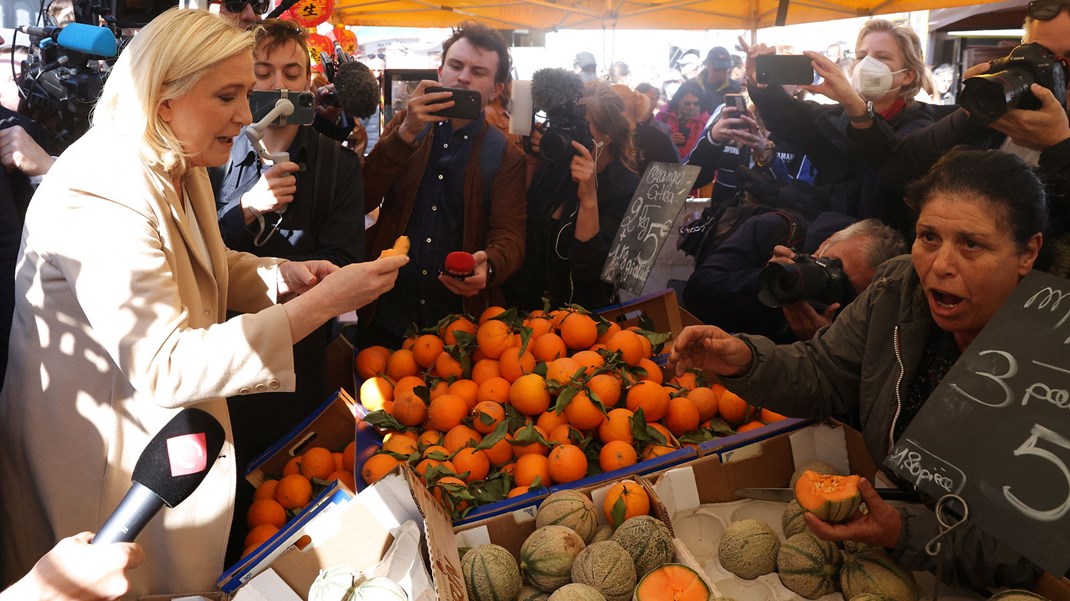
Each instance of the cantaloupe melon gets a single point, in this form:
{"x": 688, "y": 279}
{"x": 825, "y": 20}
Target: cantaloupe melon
{"x": 379, "y": 589}
{"x": 547, "y": 555}
{"x": 571, "y": 509}
{"x": 530, "y": 593}
{"x": 831, "y": 498}
{"x": 604, "y": 532}
{"x": 607, "y": 567}
{"x": 809, "y": 566}
{"x": 1016, "y": 595}
{"x": 792, "y": 522}
{"x": 577, "y": 592}
{"x": 869, "y": 569}
{"x": 814, "y": 465}
{"x": 749, "y": 548}
{"x": 672, "y": 582}
{"x": 647, "y": 540}
{"x": 490, "y": 574}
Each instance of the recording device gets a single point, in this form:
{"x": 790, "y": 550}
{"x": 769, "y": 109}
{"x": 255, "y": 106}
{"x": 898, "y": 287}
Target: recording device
{"x": 814, "y": 279}
{"x": 685, "y": 131}
{"x": 261, "y": 102}
{"x": 170, "y": 468}
{"x": 783, "y": 69}
{"x": 466, "y": 103}
{"x": 737, "y": 102}
{"x": 989, "y": 96}
{"x": 357, "y": 89}
{"x": 554, "y": 93}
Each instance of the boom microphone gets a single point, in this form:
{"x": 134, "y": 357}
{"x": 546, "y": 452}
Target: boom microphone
{"x": 357, "y": 89}
{"x": 171, "y": 467}
{"x": 87, "y": 39}
{"x": 554, "y": 87}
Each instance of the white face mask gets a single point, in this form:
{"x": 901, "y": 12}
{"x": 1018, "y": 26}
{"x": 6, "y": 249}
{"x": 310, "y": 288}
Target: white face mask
{"x": 873, "y": 79}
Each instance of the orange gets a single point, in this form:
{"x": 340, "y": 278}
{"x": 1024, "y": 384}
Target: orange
{"x": 516, "y": 492}
{"x": 618, "y": 426}
{"x": 436, "y": 452}
{"x": 401, "y": 363}
{"x": 532, "y": 448}
{"x": 609, "y": 332}
{"x": 578, "y": 331}
{"x": 484, "y": 370}
{"x": 446, "y": 412}
{"x": 530, "y": 395}
{"x": 683, "y": 416}
{"x": 294, "y": 491}
{"x": 548, "y": 347}
{"x": 265, "y": 490}
{"x": 648, "y": 347}
{"x": 687, "y": 380}
{"x": 460, "y": 324}
{"x": 345, "y": 477}
{"x": 548, "y": 420}
{"x": 349, "y": 455}
{"x": 706, "y": 400}
{"x": 494, "y": 389}
{"x": 447, "y": 367}
{"x": 422, "y": 467}
{"x": 539, "y": 326}
{"x": 617, "y": 454}
{"x": 562, "y": 370}
{"x": 583, "y": 413}
{"x": 440, "y": 388}
{"x": 317, "y": 462}
{"x": 430, "y": 438}
{"x": 625, "y": 499}
{"x": 567, "y": 463}
{"x": 444, "y": 490}
{"x": 490, "y": 313}
{"x": 467, "y": 390}
{"x": 648, "y": 396}
{"x": 258, "y": 535}
{"x": 532, "y": 470}
{"x": 459, "y": 437}
{"x": 339, "y": 462}
{"x": 500, "y": 453}
{"x": 293, "y": 466}
{"x": 589, "y": 359}
{"x": 558, "y": 315}
{"x": 656, "y": 450}
{"x": 768, "y": 416}
{"x": 653, "y": 370}
{"x": 606, "y": 387}
{"x": 476, "y": 463}
{"x": 627, "y": 343}
{"x": 733, "y": 409}
{"x": 371, "y": 361}
{"x": 376, "y": 467}
{"x": 562, "y": 434}
{"x": 664, "y": 431}
{"x": 493, "y": 337}
{"x": 266, "y": 511}
{"x": 405, "y": 386}
{"x": 407, "y": 343}
{"x": 396, "y": 443}
{"x": 751, "y": 425}
{"x": 513, "y": 364}
{"x": 410, "y": 410}
{"x": 486, "y": 416}
{"x": 426, "y": 349}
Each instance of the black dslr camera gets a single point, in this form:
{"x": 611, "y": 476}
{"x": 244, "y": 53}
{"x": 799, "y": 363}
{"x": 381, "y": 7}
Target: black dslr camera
{"x": 556, "y": 93}
{"x": 814, "y": 279}
{"x": 1006, "y": 85}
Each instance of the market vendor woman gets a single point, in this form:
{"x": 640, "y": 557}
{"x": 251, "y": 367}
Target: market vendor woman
{"x": 979, "y": 228}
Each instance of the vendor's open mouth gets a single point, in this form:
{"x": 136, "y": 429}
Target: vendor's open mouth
{"x": 945, "y": 300}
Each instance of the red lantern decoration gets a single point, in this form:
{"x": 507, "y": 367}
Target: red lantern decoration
{"x": 316, "y": 44}
{"x": 310, "y": 13}
{"x": 347, "y": 39}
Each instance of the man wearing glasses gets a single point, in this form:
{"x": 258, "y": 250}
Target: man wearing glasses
{"x": 245, "y": 12}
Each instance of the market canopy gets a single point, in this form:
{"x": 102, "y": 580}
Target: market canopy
{"x": 551, "y": 15}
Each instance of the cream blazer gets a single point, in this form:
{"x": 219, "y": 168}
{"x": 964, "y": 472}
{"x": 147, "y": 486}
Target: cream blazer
{"x": 119, "y": 323}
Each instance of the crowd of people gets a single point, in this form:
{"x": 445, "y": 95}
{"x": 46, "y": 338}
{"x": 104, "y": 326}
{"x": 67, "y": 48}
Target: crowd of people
{"x": 167, "y": 260}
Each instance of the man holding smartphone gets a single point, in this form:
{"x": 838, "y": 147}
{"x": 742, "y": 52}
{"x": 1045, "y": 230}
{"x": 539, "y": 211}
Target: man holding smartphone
{"x": 450, "y": 182}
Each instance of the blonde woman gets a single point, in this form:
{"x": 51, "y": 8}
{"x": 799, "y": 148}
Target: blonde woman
{"x": 123, "y": 290}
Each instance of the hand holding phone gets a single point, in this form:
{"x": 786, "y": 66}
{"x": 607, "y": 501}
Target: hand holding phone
{"x": 738, "y": 104}
{"x": 467, "y": 104}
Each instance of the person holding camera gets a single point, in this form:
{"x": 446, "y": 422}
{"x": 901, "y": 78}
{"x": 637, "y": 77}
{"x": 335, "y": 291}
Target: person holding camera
{"x": 575, "y": 206}
{"x": 685, "y": 118}
{"x": 979, "y": 228}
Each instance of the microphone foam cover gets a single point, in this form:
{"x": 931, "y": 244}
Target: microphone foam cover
{"x": 177, "y": 459}
{"x": 460, "y": 263}
{"x": 357, "y": 89}
{"x": 552, "y": 87}
{"x": 88, "y": 39}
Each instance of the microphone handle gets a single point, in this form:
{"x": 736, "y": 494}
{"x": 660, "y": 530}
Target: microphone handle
{"x": 131, "y": 516}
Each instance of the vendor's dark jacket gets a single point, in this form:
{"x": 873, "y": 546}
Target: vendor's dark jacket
{"x": 866, "y": 361}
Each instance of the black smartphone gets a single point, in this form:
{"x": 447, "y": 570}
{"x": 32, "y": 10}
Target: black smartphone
{"x": 262, "y": 101}
{"x": 783, "y": 69}
{"x": 466, "y": 103}
{"x": 739, "y": 103}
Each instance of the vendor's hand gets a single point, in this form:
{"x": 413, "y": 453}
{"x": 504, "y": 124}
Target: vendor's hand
{"x": 19, "y": 152}
{"x": 583, "y": 173}
{"x": 834, "y": 84}
{"x": 711, "y": 349}
{"x": 296, "y": 277}
{"x": 75, "y": 570}
{"x": 805, "y": 321}
{"x": 471, "y": 285}
{"x": 753, "y": 51}
{"x": 881, "y": 525}
{"x": 420, "y": 106}
{"x": 272, "y": 192}
{"x": 1040, "y": 129}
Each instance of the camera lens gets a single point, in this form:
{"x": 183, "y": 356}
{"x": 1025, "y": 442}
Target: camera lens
{"x": 988, "y": 97}
{"x": 780, "y": 285}
{"x": 554, "y": 146}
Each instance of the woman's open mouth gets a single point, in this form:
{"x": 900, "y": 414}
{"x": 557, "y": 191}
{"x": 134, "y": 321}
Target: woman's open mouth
{"x": 945, "y": 300}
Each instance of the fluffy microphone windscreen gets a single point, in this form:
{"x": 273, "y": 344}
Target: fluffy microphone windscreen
{"x": 357, "y": 89}
{"x": 553, "y": 87}
{"x": 181, "y": 454}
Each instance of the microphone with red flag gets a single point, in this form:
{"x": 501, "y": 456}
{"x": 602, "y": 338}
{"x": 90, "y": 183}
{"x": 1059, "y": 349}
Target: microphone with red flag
{"x": 170, "y": 468}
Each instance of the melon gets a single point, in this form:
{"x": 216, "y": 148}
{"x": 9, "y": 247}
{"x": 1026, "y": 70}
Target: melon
{"x": 604, "y": 532}
{"x": 570, "y": 509}
{"x": 1016, "y": 595}
{"x": 530, "y": 593}
{"x": 792, "y": 521}
{"x": 809, "y": 566}
{"x": 673, "y": 581}
{"x": 648, "y": 540}
{"x": 379, "y": 589}
{"x": 831, "y": 498}
{"x": 607, "y": 567}
{"x": 577, "y": 592}
{"x": 814, "y": 465}
{"x": 547, "y": 555}
{"x": 869, "y": 569}
{"x": 490, "y": 574}
{"x": 749, "y": 548}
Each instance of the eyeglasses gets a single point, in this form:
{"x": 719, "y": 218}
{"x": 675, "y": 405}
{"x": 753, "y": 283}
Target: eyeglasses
{"x": 1046, "y": 10}
{"x": 236, "y": 6}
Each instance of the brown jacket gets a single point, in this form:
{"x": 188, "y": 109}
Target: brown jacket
{"x": 392, "y": 174}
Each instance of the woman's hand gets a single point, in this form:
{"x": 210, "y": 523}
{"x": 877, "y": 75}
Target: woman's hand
{"x": 835, "y": 83}
{"x": 584, "y": 172}
{"x": 711, "y": 349}
{"x": 753, "y": 51}
{"x": 357, "y": 284}
{"x": 881, "y": 525}
{"x": 296, "y": 277}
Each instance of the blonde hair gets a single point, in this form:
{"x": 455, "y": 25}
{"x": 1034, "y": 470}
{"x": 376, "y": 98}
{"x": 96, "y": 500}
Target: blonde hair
{"x": 163, "y": 62}
{"x": 909, "y": 44}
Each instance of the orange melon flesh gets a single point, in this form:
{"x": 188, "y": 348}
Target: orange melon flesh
{"x": 831, "y": 498}
{"x": 672, "y": 582}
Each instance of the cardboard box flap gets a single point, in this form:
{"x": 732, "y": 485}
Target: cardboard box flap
{"x": 441, "y": 542}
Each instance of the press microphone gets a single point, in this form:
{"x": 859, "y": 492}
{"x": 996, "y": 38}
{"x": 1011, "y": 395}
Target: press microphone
{"x": 170, "y": 468}
{"x": 357, "y": 89}
{"x": 554, "y": 87}
{"x": 87, "y": 39}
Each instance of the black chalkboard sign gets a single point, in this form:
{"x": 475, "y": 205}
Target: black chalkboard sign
{"x": 996, "y": 431}
{"x": 653, "y": 210}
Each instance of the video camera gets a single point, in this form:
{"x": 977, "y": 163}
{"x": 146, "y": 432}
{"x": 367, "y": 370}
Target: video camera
{"x": 555, "y": 92}
{"x": 814, "y": 279}
{"x": 1006, "y": 85}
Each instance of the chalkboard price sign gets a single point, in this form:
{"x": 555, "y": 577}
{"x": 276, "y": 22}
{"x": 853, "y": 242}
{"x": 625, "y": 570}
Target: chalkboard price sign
{"x": 653, "y": 210}
{"x": 996, "y": 431}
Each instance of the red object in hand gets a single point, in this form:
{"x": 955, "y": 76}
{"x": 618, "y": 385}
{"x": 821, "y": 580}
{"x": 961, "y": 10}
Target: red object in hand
{"x": 460, "y": 264}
